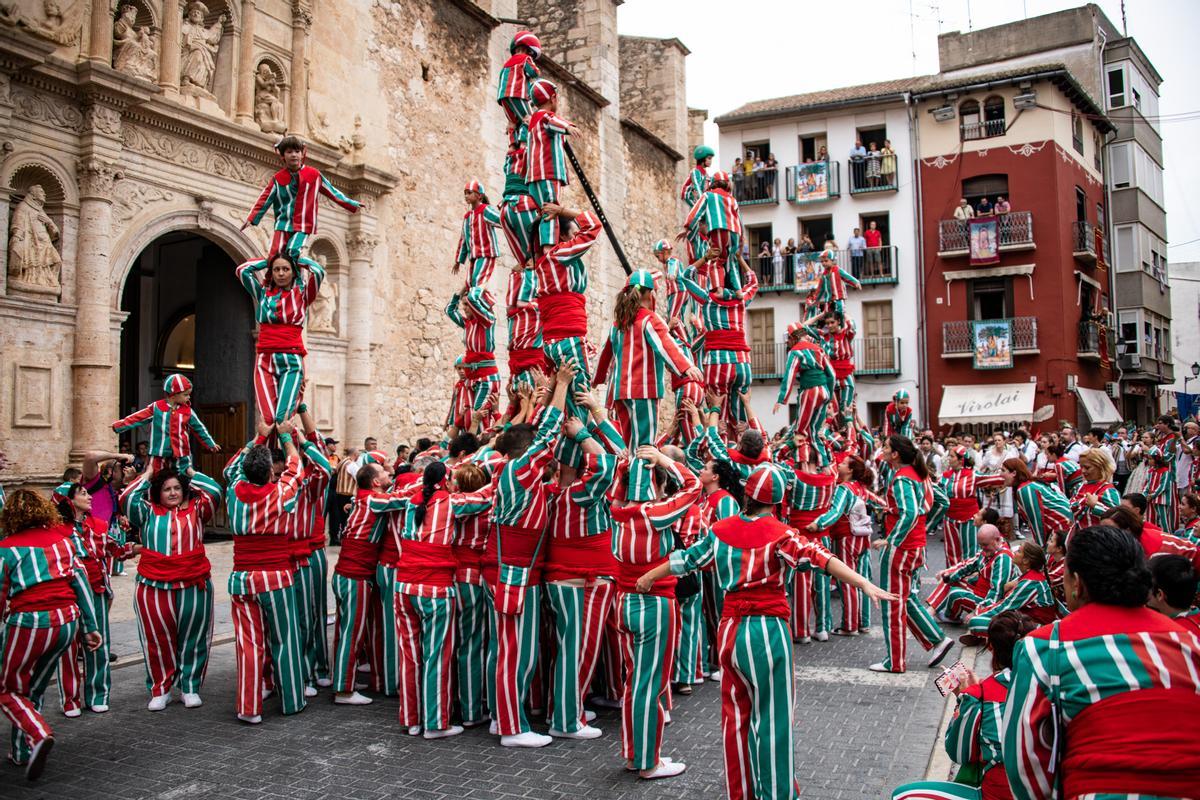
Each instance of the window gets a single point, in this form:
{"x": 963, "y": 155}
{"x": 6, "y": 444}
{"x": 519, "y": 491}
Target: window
{"x": 765, "y": 360}
{"x": 1116, "y": 86}
{"x": 1097, "y": 150}
{"x": 819, "y": 230}
{"x": 1077, "y": 132}
{"x": 993, "y": 116}
{"x": 810, "y": 146}
{"x": 878, "y": 135}
{"x": 1121, "y": 165}
{"x": 970, "y": 120}
{"x": 178, "y": 348}
{"x": 990, "y": 298}
{"x": 1080, "y": 205}
{"x": 1137, "y": 99}
{"x": 989, "y": 186}
{"x": 1129, "y": 322}
{"x": 1126, "y": 248}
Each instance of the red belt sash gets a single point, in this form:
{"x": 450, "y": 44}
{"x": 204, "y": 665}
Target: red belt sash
{"x": 916, "y": 534}
{"x": 962, "y": 508}
{"x": 799, "y": 519}
{"x": 1138, "y": 742}
{"x": 357, "y": 559}
{"x": 279, "y": 338}
{"x": 628, "y": 574}
{"x": 524, "y": 358}
{"x": 48, "y": 595}
{"x": 261, "y": 553}
{"x": 995, "y": 784}
{"x": 842, "y": 367}
{"x": 585, "y": 557}
{"x": 726, "y": 340}
{"x": 564, "y": 315}
{"x": 756, "y": 601}
{"x": 518, "y": 548}
{"x": 426, "y": 562}
{"x": 95, "y": 573}
{"x": 840, "y": 529}
{"x": 191, "y": 567}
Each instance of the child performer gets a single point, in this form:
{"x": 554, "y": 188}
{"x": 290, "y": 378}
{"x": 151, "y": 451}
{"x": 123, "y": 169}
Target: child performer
{"x": 898, "y": 416}
{"x": 545, "y": 161}
{"x": 473, "y": 312}
{"x": 517, "y": 77}
{"x": 281, "y": 300}
{"x": 682, "y": 309}
{"x": 716, "y": 218}
{"x": 292, "y": 195}
{"x": 808, "y": 371}
{"x": 697, "y": 184}
{"x": 829, "y": 295}
{"x": 170, "y": 419}
{"x": 477, "y": 243}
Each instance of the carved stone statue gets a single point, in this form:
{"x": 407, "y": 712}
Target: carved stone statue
{"x": 320, "y": 313}
{"x": 199, "y": 47}
{"x": 33, "y": 261}
{"x": 135, "y": 50}
{"x": 268, "y": 107}
{"x": 53, "y": 22}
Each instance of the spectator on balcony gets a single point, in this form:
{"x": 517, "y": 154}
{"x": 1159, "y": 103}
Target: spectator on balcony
{"x": 764, "y": 252}
{"x": 737, "y": 166}
{"x": 771, "y": 164}
{"x": 1002, "y": 206}
{"x": 789, "y": 249}
{"x": 822, "y": 155}
{"x": 888, "y": 165}
{"x": 857, "y": 245}
{"x": 806, "y": 244}
{"x": 874, "y": 239}
{"x": 777, "y": 262}
{"x": 874, "y": 165}
{"x": 858, "y": 152}
{"x": 984, "y": 208}
{"x": 964, "y": 210}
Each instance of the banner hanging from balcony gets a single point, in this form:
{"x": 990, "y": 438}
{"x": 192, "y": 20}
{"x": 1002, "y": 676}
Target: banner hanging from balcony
{"x": 808, "y": 272}
{"x": 985, "y": 241}
{"x": 812, "y": 182}
{"x": 992, "y": 340}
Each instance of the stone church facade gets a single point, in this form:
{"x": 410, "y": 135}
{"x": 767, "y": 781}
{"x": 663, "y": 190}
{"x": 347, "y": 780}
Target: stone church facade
{"x": 136, "y": 134}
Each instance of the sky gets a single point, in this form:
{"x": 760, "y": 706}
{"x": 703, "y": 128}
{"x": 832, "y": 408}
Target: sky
{"x": 756, "y": 49}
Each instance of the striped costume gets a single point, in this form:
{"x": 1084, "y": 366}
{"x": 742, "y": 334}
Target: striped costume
{"x": 850, "y": 527}
{"x": 898, "y": 420}
{"x": 479, "y": 340}
{"x": 265, "y": 622}
{"x": 173, "y": 594}
{"x": 753, "y": 558}
{"x": 1044, "y": 508}
{"x": 477, "y": 243}
{"x": 280, "y": 314}
{"x": 715, "y": 217}
{"x": 829, "y": 295}
{"x": 809, "y": 373}
{"x": 1160, "y": 493}
{"x": 714, "y": 507}
{"x": 169, "y": 428}
{"x": 1065, "y": 474}
{"x": 962, "y": 487}
{"x": 682, "y": 307}
{"x": 632, "y": 364}
{"x": 1106, "y": 494}
{"x": 516, "y": 78}
{"x": 727, "y": 368}
{"x": 1031, "y": 595}
{"x": 44, "y": 601}
{"x": 841, "y": 358}
{"x": 974, "y": 583}
{"x": 909, "y": 498}
{"x": 648, "y": 623}
{"x": 546, "y": 167}
{"x": 696, "y": 184}
{"x": 306, "y": 538}
{"x": 292, "y": 197}
{"x": 473, "y": 610}
{"x": 686, "y": 388}
{"x": 519, "y": 213}
{"x": 809, "y": 497}
{"x": 690, "y": 644}
{"x": 1125, "y": 683}
{"x": 525, "y": 355}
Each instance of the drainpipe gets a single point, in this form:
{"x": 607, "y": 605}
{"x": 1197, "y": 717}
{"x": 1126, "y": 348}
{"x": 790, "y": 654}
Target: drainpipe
{"x": 1108, "y": 227}
{"x": 914, "y": 141}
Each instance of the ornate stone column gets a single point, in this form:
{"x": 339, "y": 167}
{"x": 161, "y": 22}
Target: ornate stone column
{"x": 168, "y": 56}
{"x": 356, "y": 310}
{"x": 100, "y": 45}
{"x": 93, "y": 387}
{"x": 298, "y": 107}
{"x": 245, "y": 77}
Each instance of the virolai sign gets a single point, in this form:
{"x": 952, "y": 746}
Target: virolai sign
{"x": 1000, "y": 402}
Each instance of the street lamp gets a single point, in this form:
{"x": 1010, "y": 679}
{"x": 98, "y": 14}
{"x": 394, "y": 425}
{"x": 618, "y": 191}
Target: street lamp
{"x": 1195, "y": 374}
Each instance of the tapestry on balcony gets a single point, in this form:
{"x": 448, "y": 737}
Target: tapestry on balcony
{"x": 992, "y": 340}
{"x": 812, "y": 182}
{"x": 985, "y": 241}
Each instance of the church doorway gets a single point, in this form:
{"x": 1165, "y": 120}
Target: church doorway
{"x": 187, "y": 313}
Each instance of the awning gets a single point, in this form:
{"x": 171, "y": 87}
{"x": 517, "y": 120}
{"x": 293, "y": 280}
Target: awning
{"x": 1099, "y": 407}
{"x": 993, "y": 402}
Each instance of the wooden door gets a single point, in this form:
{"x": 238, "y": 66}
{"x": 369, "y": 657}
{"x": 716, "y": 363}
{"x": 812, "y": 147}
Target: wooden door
{"x": 878, "y": 352}
{"x": 226, "y": 422}
{"x": 760, "y": 328}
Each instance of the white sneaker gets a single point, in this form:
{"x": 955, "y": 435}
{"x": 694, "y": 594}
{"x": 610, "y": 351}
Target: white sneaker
{"x": 494, "y": 728}
{"x": 414, "y": 730}
{"x": 588, "y": 715}
{"x": 665, "y": 769}
{"x": 864, "y": 631}
{"x": 879, "y": 668}
{"x": 804, "y": 640}
{"x": 940, "y": 651}
{"x": 471, "y": 723}
{"x": 352, "y": 699}
{"x": 73, "y": 713}
{"x": 158, "y": 702}
{"x": 666, "y": 717}
{"x": 821, "y": 636}
{"x": 364, "y": 668}
{"x": 250, "y": 719}
{"x": 99, "y": 708}
{"x": 586, "y": 732}
{"x": 324, "y": 682}
{"x": 716, "y": 676}
{"x": 527, "y": 739}
{"x": 192, "y": 700}
{"x": 266, "y": 693}
{"x": 453, "y": 730}
{"x": 310, "y": 691}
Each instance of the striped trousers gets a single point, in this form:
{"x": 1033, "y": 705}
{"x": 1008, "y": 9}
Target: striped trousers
{"x": 265, "y": 625}
{"x": 637, "y": 422}
{"x": 897, "y": 568}
{"x": 612, "y": 658}
{"x": 938, "y": 790}
{"x": 728, "y": 381}
{"x": 961, "y": 540}
{"x": 728, "y": 243}
{"x": 757, "y": 696}
{"x": 119, "y": 536}
{"x": 87, "y": 683}
{"x": 317, "y": 642}
{"x": 290, "y": 242}
{"x": 579, "y": 610}
{"x": 713, "y": 604}
{"x": 355, "y": 599}
{"x": 175, "y": 628}
{"x": 697, "y": 246}
{"x": 822, "y": 585}
{"x": 690, "y": 651}
{"x": 845, "y": 392}
{"x": 28, "y": 657}
{"x": 649, "y": 626}
{"x": 480, "y": 270}
{"x": 425, "y": 653}
{"x": 518, "y": 221}
{"x": 278, "y": 384}
{"x": 515, "y": 647}
{"x": 386, "y": 630}
{"x": 480, "y": 391}
{"x": 558, "y": 353}
{"x": 544, "y": 192}
{"x": 956, "y": 599}
{"x": 856, "y": 608}
{"x": 517, "y": 110}
{"x": 802, "y": 603}
{"x": 473, "y": 620}
{"x": 811, "y": 409}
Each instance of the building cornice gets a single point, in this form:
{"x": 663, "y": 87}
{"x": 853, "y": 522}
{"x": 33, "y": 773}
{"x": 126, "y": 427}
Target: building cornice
{"x": 645, "y": 133}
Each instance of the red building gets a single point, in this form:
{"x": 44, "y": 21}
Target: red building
{"x": 1016, "y": 305}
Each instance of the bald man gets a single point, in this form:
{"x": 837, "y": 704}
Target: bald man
{"x": 979, "y": 580}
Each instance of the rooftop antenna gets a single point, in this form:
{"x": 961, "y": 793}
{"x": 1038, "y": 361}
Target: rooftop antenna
{"x": 969, "y": 25}
{"x": 1124, "y": 27}
{"x": 912, "y": 36}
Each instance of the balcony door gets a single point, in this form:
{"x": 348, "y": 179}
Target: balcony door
{"x": 990, "y": 298}
{"x": 981, "y": 186}
{"x": 878, "y": 354}
{"x": 764, "y": 356}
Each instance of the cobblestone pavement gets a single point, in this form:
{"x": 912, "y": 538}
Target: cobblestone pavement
{"x": 858, "y": 734}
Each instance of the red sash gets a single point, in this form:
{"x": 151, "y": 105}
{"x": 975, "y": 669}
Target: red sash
{"x": 190, "y": 568}
{"x": 726, "y": 340}
{"x": 842, "y": 367}
{"x": 563, "y": 315}
{"x": 519, "y": 545}
{"x": 756, "y": 601}
{"x": 962, "y": 508}
{"x": 799, "y": 519}
{"x": 48, "y": 595}
{"x": 426, "y": 562}
{"x": 524, "y": 358}
{"x": 357, "y": 560}
{"x": 265, "y": 553}
{"x": 278, "y": 338}
{"x": 628, "y": 574}
{"x": 587, "y": 557}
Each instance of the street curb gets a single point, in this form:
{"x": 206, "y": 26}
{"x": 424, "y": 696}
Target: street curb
{"x": 939, "y": 765}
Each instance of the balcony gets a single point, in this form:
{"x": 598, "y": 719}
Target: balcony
{"x": 868, "y": 175}
{"x": 773, "y": 275}
{"x": 876, "y": 355}
{"x": 1088, "y": 243}
{"x": 809, "y": 183}
{"x": 970, "y": 131}
{"x": 1016, "y": 233}
{"x": 767, "y": 360}
{"x": 957, "y": 341}
{"x": 875, "y": 267}
{"x": 1095, "y": 341}
{"x": 756, "y": 188}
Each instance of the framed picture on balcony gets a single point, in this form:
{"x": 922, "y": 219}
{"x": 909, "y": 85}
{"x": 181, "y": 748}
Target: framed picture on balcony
{"x": 808, "y": 272}
{"x": 985, "y": 241}
{"x": 812, "y": 182}
{"x": 992, "y": 340}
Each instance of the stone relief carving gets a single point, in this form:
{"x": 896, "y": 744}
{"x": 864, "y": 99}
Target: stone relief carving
{"x": 56, "y": 20}
{"x": 199, "y": 46}
{"x": 41, "y": 108}
{"x": 33, "y": 260}
{"x": 320, "y": 313}
{"x": 96, "y": 178}
{"x": 362, "y": 246}
{"x": 268, "y": 105}
{"x": 193, "y": 156}
{"x": 130, "y": 198}
{"x": 320, "y": 131}
{"x": 135, "y": 50}
{"x": 101, "y": 119}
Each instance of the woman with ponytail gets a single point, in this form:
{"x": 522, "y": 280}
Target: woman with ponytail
{"x": 1043, "y": 507}
{"x": 902, "y": 553}
{"x": 635, "y": 354}
{"x": 962, "y": 484}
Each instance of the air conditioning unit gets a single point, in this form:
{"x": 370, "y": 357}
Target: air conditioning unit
{"x": 943, "y": 113}
{"x": 1130, "y": 361}
{"x": 1025, "y": 100}
{"x": 1113, "y": 388}
{"x": 1072, "y": 382}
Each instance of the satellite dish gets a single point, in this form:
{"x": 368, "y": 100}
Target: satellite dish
{"x": 1044, "y": 413}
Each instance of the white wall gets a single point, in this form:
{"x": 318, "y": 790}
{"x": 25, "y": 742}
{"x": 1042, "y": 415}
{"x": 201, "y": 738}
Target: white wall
{"x": 1185, "y": 327}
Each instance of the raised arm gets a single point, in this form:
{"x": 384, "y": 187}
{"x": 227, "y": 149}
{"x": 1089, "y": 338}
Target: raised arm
{"x": 331, "y": 191}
